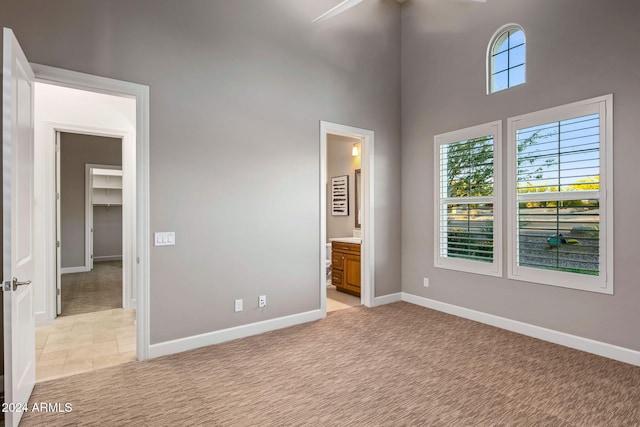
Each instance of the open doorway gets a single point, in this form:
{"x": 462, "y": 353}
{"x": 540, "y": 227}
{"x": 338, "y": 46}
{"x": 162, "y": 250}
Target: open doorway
{"x": 346, "y": 228}
{"x": 85, "y": 306}
{"x": 344, "y": 225}
{"x": 89, "y": 223}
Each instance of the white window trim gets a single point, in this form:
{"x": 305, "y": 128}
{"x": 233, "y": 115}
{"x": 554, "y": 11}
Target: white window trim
{"x": 603, "y": 283}
{"x": 470, "y": 266}
{"x": 492, "y": 42}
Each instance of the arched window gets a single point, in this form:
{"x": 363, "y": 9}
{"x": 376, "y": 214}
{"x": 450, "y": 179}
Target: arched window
{"x": 506, "y": 59}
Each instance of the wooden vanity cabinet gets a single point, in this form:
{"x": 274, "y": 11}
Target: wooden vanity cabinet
{"x": 345, "y": 267}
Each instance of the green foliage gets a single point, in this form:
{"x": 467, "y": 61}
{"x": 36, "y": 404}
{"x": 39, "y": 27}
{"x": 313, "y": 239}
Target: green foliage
{"x": 530, "y": 188}
{"x": 470, "y": 167}
{"x": 530, "y": 160}
{"x": 588, "y": 183}
{"x": 470, "y": 244}
{"x": 572, "y": 270}
{"x": 584, "y": 184}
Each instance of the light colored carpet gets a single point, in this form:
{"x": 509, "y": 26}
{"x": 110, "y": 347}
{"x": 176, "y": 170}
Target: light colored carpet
{"x": 398, "y": 364}
{"x": 96, "y": 290}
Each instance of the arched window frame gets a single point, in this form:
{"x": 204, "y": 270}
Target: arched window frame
{"x": 490, "y": 49}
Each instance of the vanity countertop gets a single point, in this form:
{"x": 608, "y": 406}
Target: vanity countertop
{"x": 356, "y": 240}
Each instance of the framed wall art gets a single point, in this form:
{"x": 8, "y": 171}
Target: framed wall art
{"x": 340, "y": 195}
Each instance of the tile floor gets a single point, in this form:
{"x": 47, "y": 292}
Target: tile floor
{"x": 85, "y": 342}
{"x": 339, "y": 300}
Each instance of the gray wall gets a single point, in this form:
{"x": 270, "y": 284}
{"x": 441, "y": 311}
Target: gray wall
{"x": 75, "y": 151}
{"x": 341, "y": 162}
{"x": 107, "y": 232}
{"x": 577, "y": 49}
{"x": 237, "y": 90}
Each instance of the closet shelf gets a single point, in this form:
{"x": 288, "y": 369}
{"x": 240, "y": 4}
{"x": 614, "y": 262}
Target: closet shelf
{"x": 106, "y": 187}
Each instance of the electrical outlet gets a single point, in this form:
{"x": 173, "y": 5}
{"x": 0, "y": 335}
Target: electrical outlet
{"x": 262, "y": 301}
{"x": 238, "y": 305}
{"x": 426, "y": 282}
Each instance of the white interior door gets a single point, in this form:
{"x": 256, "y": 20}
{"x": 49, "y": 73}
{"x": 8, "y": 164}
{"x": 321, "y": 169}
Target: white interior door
{"x": 17, "y": 184}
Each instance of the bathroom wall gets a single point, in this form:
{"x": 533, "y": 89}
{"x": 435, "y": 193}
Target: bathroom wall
{"x": 76, "y": 150}
{"x": 341, "y": 162}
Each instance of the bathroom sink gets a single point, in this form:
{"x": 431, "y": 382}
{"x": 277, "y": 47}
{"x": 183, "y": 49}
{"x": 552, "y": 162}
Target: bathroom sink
{"x": 357, "y": 240}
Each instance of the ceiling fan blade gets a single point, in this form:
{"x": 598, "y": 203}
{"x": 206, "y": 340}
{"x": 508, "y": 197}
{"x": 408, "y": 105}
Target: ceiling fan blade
{"x": 346, "y": 4}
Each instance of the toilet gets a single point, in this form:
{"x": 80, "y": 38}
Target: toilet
{"x": 328, "y": 263}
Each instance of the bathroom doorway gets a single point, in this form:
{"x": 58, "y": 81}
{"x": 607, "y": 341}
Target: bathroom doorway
{"x": 344, "y": 228}
{"x": 346, "y": 235}
{"x": 89, "y": 223}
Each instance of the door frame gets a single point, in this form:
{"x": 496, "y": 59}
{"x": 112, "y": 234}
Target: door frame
{"x": 140, "y": 264}
{"x": 53, "y": 296}
{"x": 367, "y": 296}
{"x": 54, "y": 129}
{"x": 88, "y": 214}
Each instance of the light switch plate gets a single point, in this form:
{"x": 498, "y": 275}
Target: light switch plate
{"x": 165, "y": 238}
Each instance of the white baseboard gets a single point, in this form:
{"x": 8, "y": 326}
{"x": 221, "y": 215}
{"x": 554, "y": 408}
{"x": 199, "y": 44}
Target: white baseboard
{"x": 216, "y": 337}
{"x": 611, "y": 351}
{"x": 41, "y": 319}
{"x": 387, "y": 299}
{"x": 107, "y": 258}
{"x": 69, "y": 270}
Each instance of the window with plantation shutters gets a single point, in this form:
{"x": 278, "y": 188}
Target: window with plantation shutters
{"x": 467, "y": 199}
{"x": 560, "y": 207}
